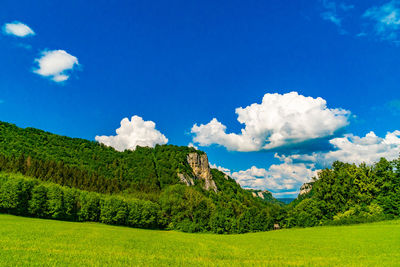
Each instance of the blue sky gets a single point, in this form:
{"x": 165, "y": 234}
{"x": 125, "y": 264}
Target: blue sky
{"x": 78, "y": 69}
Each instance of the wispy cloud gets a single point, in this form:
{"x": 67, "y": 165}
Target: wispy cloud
{"x": 332, "y": 12}
{"x": 24, "y": 46}
{"x": 18, "y": 29}
{"x": 394, "y": 106}
{"x": 56, "y": 65}
{"x": 385, "y": 20}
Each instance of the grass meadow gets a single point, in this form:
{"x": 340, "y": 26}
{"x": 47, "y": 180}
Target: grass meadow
{"x": 29, "y": 241}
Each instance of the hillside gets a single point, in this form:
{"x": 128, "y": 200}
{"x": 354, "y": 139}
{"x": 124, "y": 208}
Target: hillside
{"x": 347, "y": 193}
{"x": 187, "y": 194}
{"x": 265, "y": 195}
{"x": 171, "y": 187}
{"x": 29, "y": 241}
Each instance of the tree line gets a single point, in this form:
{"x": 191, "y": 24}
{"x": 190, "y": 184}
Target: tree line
{"x": 179, "y": 207}
{"x": 30, "y": 197}
{"x": 347, "y": 193}
{"x": 147, "y": 174}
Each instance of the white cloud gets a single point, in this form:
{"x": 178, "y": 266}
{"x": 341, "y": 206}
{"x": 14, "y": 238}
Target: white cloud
{"x": 17, "y": 29}
{"x": 368, "y": 149}
{"x": 352, "y": 149}
{"x": 287, "y": 177}
{"x": 278, "y": 178}
{"x": 221, "y": 169}
{"x": 278, "y": 121}
{"x": 386, "y": 19}
{"x": 56, "y": 64}
{"x": 192, "y": 145}
{"x": 135, "y": 132}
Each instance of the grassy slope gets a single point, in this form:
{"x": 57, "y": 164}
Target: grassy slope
{"x": 28, "y": 241}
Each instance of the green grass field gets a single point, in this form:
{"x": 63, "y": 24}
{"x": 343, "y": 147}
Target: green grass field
{"x": 27, "y": 241}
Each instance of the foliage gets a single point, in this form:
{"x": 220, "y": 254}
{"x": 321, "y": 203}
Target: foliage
{"x": 89, "y": 165}
{"x": 348, "y": 193}
{"x": 23, "y": 196}
{"x": 98, "y": 181}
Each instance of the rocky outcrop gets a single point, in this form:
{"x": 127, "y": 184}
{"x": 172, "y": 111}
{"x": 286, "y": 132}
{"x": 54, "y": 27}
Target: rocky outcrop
{"x": 265, "y": 195}
{"x": 261, "y": 194}
{"x": 305, "y": 188}
{"x": 186, "y": 179}
{"x": 201, "y": 170}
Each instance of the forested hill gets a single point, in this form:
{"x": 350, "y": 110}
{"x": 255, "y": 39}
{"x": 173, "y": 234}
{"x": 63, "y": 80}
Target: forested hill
{"x": 144, "y": 169}
{"x": 347, "y": 193}
{"x": 189, "y": 195}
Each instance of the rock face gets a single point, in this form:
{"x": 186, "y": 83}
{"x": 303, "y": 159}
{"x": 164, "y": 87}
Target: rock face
{"x": 201, "y": 170}
{"x": 305, "y": 188}
{"x": 265, "y": 195}
{"x": 261, "y": 193}
{"x": 186, "y": 179}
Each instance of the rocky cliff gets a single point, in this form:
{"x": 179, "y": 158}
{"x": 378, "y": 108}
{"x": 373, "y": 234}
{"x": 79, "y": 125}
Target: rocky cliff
{"x": 305, "y": 188}
{"x": 201, "y": 170}
{"x": 264, "y": 195}
{"x": 261, "y": 193}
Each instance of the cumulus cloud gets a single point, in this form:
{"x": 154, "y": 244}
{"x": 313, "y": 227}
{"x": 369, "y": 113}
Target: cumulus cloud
{"x": 278, "y": 121}
{"x": 18, "y": 29}
{"x": 133, "y": 133}
{"x": 280, "y": 179}
{"x": 56, "y": 65}
{"x": 288, "y": 176}
{"x": 192, "y": 145}
{"x": 277, "y": 178}
{"x": 385, "y": 19}
{"x": 221, "y": 169}
{"x": 368, "y": 149}
{"x": 352, "y": 149}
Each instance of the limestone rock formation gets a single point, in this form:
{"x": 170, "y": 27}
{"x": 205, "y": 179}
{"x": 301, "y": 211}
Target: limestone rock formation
{"x": 201, "y": 170}
{"x": 261, "y": 193}
{"x": 305, "y": 188}
{"x": 265, "y": 195}
{"x": 186, "y": 179}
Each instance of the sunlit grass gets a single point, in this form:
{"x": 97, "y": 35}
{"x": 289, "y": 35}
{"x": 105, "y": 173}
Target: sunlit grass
{"x": 27, "y": 241}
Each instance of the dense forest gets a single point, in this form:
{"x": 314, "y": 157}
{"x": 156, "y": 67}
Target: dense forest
{"x": 347, "y": 193}
{"x": 50, "y": 176}
{"x": 145, "y": 179}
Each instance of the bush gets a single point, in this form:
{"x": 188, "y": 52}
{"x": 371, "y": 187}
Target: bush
{"x": 113, "y": 210}
{"x": 38, "y": 205}
{"x": 358, "y": 214}
{"x": 89, "y": 207}
{"x": 55, "y": 202}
